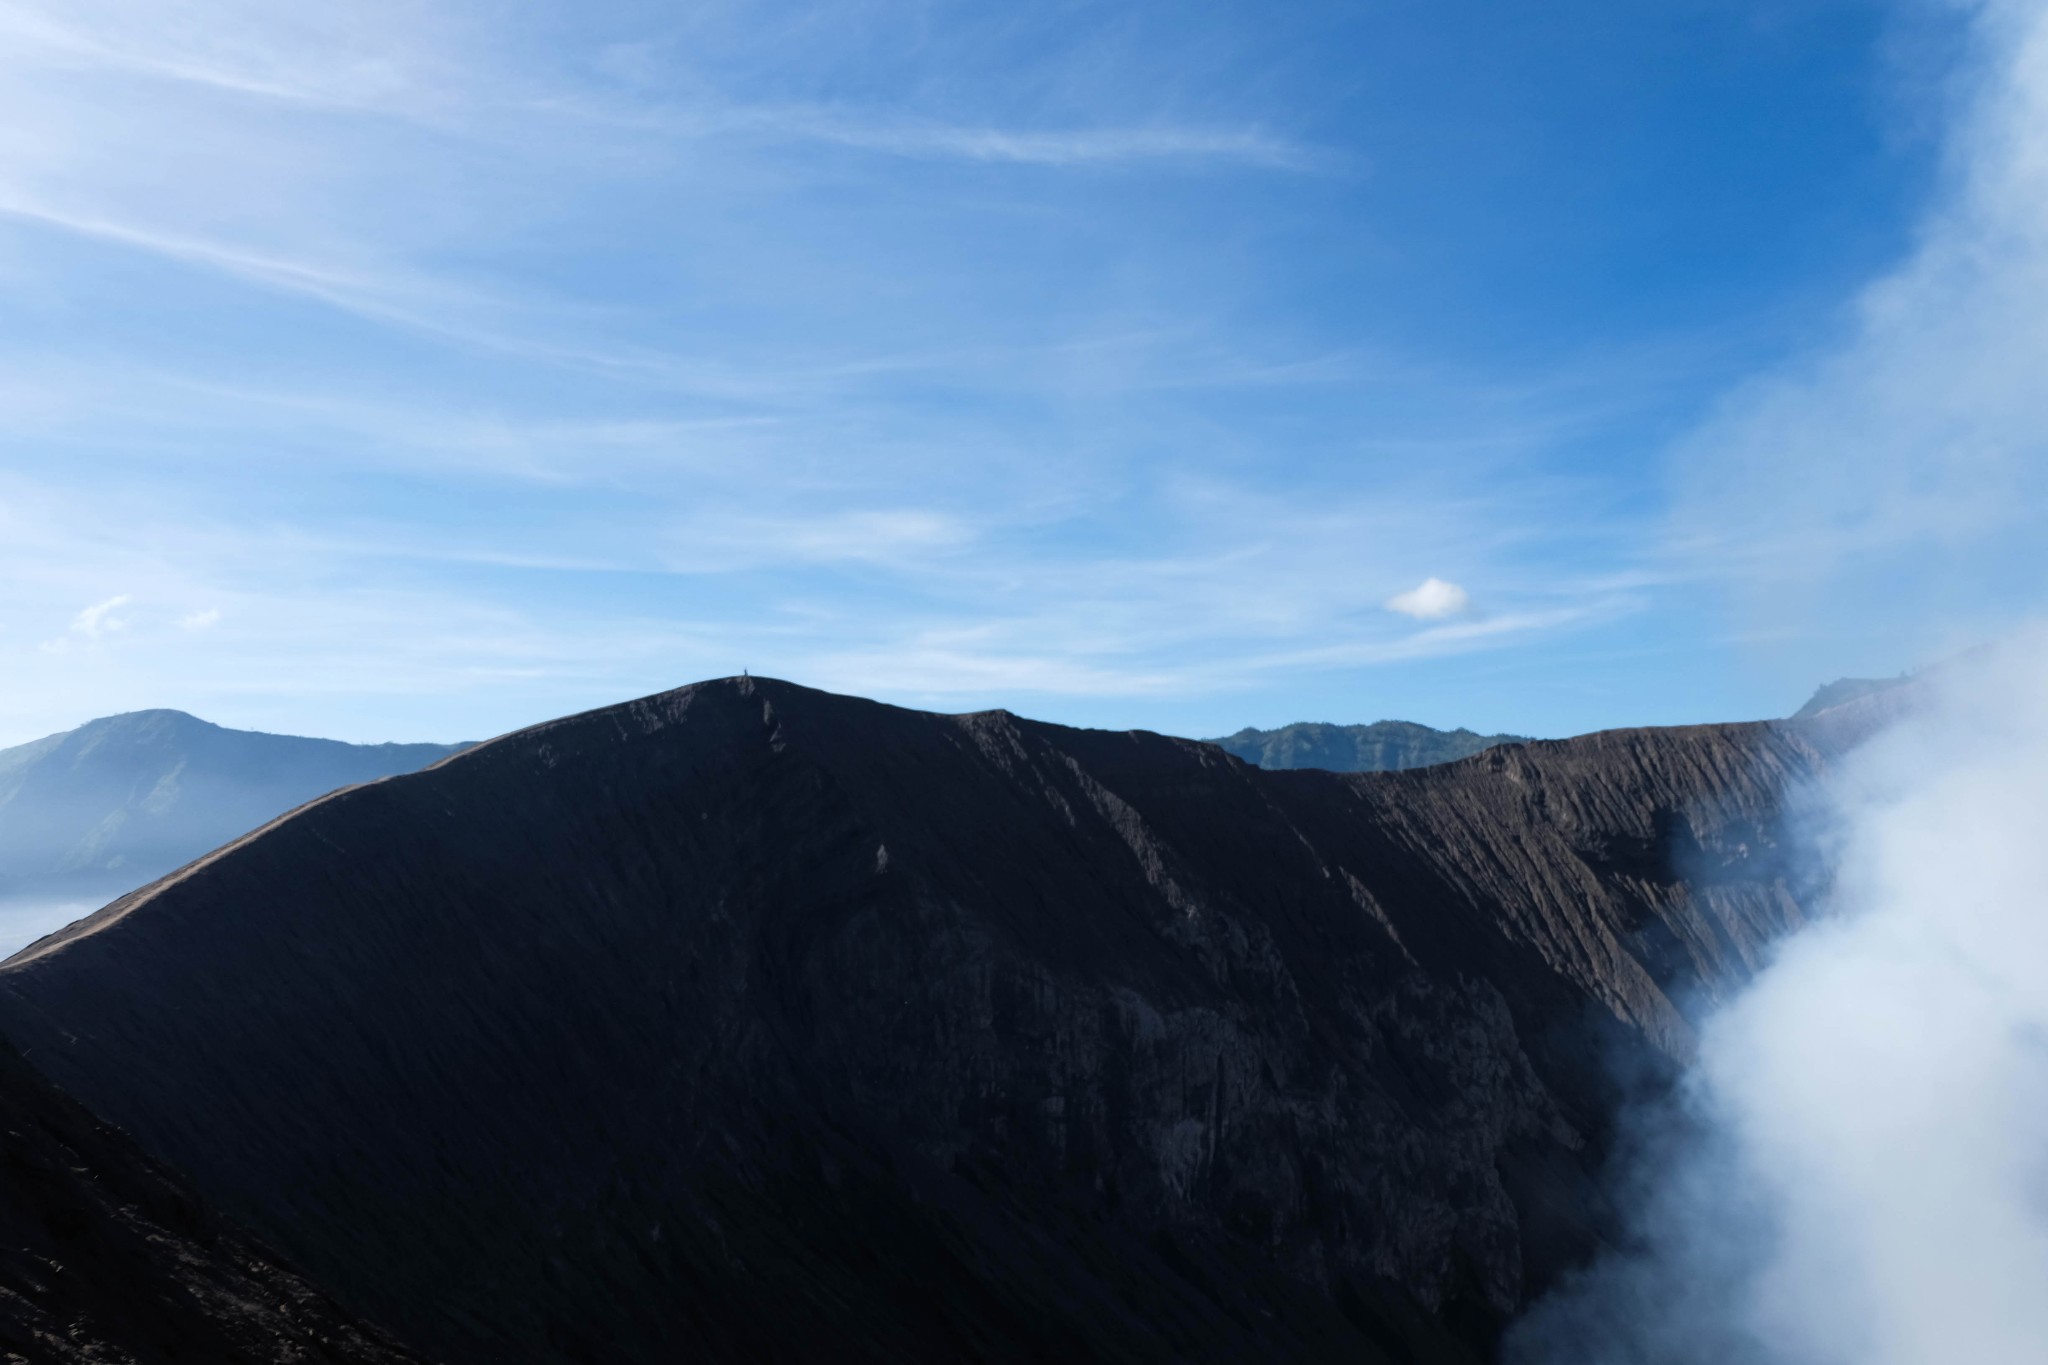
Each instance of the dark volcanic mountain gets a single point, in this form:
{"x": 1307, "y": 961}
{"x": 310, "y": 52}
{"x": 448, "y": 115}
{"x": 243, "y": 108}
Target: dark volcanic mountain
{"x": 1383, "y": 746}
{"x": 750, "y": 1022}
{"x": 93, "y": 812}
{"x": 107, "y": 1257}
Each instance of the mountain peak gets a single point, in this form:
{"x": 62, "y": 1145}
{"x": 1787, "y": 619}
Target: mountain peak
{"x": 815, "y": 1027}
{"x": 149, "y": 715}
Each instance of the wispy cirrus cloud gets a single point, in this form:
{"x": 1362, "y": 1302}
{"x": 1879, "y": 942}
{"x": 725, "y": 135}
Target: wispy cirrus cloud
{"x": 227, "y": 137}
{"x": 958, "y": 606}
{"x": 1032, "y": 147}
{"x": 443, "y": 342}
{"x": 943, "y": 667}
{"x": 394, "y": 61}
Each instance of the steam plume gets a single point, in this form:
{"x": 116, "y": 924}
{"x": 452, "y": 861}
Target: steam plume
{"x": 1857, "y": 1171}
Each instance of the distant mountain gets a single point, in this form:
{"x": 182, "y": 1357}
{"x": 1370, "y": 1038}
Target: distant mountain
{"x": 93, "y": 812}
{"x": 1842, "y": 691}
{"x": 1383, "y": 746}
{"x": 748, "y": 1022}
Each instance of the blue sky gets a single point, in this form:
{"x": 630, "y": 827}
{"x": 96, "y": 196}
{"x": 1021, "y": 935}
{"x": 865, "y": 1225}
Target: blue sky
{"x": 430, "y": 368}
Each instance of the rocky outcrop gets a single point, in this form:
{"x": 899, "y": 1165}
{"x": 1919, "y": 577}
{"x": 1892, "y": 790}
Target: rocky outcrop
{"x": 750, "y": 1022}
{"x": 106, "y": 1257}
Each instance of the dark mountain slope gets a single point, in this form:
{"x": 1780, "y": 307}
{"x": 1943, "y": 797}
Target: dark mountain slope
{"x": 106, "y": 1257}
{"x": 1383, "y": 746}
{"x": 758, "y": 1023}
{"x": 96, "y": 811}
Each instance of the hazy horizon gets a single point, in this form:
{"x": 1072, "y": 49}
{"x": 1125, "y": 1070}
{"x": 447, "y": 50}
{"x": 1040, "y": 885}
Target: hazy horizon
{"x": 1337, "y": 721}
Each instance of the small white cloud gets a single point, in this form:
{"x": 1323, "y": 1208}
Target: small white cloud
{"x": 99, "y": 619}
{"x": 1431, "y": 600}
{"x": 200, "y": 620}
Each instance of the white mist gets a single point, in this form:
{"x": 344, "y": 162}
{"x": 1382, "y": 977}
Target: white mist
{"x": 1855, "y": 1171}
{"x": 1864, "y": 1176}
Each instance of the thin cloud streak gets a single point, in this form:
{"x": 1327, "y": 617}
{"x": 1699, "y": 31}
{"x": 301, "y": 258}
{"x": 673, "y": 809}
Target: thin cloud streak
{"x": 944, "y": 667}
{"x": 112, "y": 46}
{"x": 395, "y": 81}
{"x": 1063, "y": 147}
